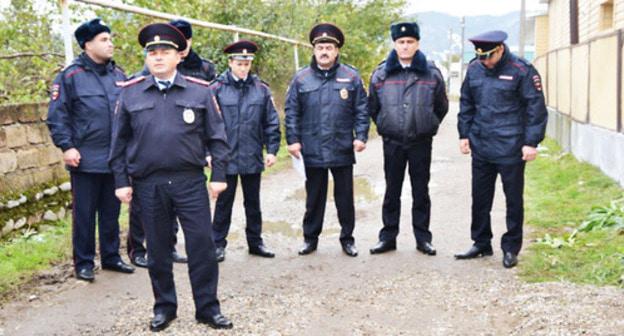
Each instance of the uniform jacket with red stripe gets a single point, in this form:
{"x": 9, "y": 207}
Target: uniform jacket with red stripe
{"x": 407, "y": 104}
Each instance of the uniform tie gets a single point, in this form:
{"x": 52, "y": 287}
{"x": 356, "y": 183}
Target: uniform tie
{"x": 164, "y": 85}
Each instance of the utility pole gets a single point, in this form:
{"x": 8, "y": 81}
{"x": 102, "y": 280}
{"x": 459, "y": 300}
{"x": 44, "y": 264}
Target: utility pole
{"x": 450, "y": 56}
{"x": 521, "y": 38}
{"x": 461, "y": 52}
{"x": 67, "y": 36}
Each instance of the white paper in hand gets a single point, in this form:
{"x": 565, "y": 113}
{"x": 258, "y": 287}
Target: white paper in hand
{"x": 299, "y": 166}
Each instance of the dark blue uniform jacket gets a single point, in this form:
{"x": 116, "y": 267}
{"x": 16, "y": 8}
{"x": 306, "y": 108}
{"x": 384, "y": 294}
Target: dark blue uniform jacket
{"x": 81, "y": 110}
{"x": 325, "y": 111}
{"x": 167, "y": 131}
{"x": 251, "y": 121}
{"x": 502, "y": 109}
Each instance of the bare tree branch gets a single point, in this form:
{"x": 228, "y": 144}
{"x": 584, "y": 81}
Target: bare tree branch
{"x": 30, "y": 54}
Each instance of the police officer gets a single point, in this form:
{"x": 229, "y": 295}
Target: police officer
{"x": 192, "y": 65}
{"x": 163, "y": 124}
{"x": 501, "y": 121}
{"x": 407, "y": 101}
{"x": 80, "y": 112}
{"x": 325, "y": 105}
{"x": 251, "y": 123}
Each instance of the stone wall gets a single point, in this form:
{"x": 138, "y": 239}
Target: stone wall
{"x": 27, "y": 156}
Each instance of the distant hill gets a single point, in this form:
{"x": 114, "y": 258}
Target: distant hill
{"x": 435, "y": 30}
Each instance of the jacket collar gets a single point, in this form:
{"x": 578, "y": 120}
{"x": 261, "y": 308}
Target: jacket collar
{"x": 150, "y": 81}
{"x": 192, "y": 60}
{"x": 85, "y": 61}
{"x": 324, "y": 73}
{"x": 419, "y": 63}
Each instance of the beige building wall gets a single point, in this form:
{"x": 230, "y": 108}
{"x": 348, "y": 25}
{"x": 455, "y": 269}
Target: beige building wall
{"x": 563, "y": 81}
{"x": 551, "y": 98}
{"x": 559, "y": 23}
{"x": 603, "y": 83}
{"x": 541, "y": 35}
{"x": 579, "y": 78}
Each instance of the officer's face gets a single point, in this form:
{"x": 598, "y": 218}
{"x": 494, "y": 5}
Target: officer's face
{"x": 162, "y": 62}
{"x": 100, "y": 48}
{"x": 325, "y": 54}
{"x": 240, "y": 68}
{"x": 491, "y": 61}
{"x": 406, "y": 48}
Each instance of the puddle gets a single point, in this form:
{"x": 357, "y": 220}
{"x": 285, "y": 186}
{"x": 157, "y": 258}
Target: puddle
{"x": 362, "y": 191}
{"x": 293, "y": 230}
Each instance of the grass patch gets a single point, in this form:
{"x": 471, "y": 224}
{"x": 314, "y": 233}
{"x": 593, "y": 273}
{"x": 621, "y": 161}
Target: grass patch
{"x": 24, "y": 255}
{"x": 560, "y": 193}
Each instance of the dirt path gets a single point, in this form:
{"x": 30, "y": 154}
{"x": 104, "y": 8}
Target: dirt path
{"x": 328, "y": 293}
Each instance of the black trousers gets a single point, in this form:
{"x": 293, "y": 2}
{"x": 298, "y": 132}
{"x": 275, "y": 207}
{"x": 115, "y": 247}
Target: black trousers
{"x": 94, "y": 194}
{"x": 483, "y": 185}
{"x": 223, "y": 210}
{"x": 181, "y": 195}
{"x": 418, "y": 159}
{"x": 316, "y": 197}
{"x": 136, "y": 234}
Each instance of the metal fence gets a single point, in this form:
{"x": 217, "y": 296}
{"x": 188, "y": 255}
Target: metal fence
{"x": 67, "y": 32}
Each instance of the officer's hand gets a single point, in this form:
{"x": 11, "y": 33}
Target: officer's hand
{"x": 270, "y": 160}
{"x": 124, "y": 194}
{"x": 359, "y": 145}
{"x": 216, "y": 188}
{"x": 71, "y": 157}
{"x": 529, "y": 153}
{"x": 209, "y": 161}
{"x": 464, "y": 146}
{"x": 295, "y": 150}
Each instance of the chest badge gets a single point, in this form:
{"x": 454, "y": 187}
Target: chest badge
{"x": 188, "y": 115}
{"x": 344, "y": 94}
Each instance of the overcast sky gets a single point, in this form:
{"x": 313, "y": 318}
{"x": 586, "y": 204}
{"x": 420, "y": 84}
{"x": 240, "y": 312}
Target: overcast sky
{"x": 470, "y": 8}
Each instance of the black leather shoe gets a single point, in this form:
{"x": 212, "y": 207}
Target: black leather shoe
{"x": 510, "y": 260}
{"x": 85, "y": 274}
{"x": 161, "y": 322}
{"x": 261, "y": 251}
{"x": 307, "y": 248}
{"x": 426, "y": 248}
{"x": 349, "y": 249}
{"x": 139, "y": 261}
{"x": 216, "y": 322}
{"x": 383, "y": 246}
{"x": 120, "y": 267}
{"x": 220, "y": 254}
{"x": 475, "y": 252}
{"x": 178, "y": 258}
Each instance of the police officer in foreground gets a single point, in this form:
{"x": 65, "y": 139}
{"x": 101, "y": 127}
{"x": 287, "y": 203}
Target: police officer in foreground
{"x": 192, "y": 65}
{"x": 326, "y": 120}
{"x": 501, "y": 121}
{"x": 407, "y": 101}
{"x": 251, "y": 123}
{"x": 80, "y": 114}
{"x": 163, "y": 124}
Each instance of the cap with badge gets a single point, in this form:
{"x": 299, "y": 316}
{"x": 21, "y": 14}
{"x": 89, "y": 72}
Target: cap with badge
{"x": 183, "y": 26}
{"x": 328, "y": 33}
{"x": 161, "y": 35}
{"x": 89, "y": 30}
{"x": 487, "y": 43}
{"x": 404, "y": 29}
{"x": 243, "y": 50}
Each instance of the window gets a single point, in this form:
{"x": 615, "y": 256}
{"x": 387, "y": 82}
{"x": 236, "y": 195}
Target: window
{"x": 606, "y": 15}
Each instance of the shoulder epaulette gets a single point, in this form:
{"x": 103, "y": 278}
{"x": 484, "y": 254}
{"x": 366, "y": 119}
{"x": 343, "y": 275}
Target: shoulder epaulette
{"x": 130, "y": 82}
{"x": 350, "y": 66}
{"x": 72, "y": 69}
{"x": 197, "y": 80}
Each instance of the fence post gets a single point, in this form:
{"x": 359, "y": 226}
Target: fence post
{"x": 296, "y": 54}
{"x": 67, "y": 36}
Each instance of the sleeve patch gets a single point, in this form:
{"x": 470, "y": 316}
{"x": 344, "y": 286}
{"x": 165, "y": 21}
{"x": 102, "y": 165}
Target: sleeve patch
{"x": 55, "y": 91}
{"x": 537, "y": 83}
